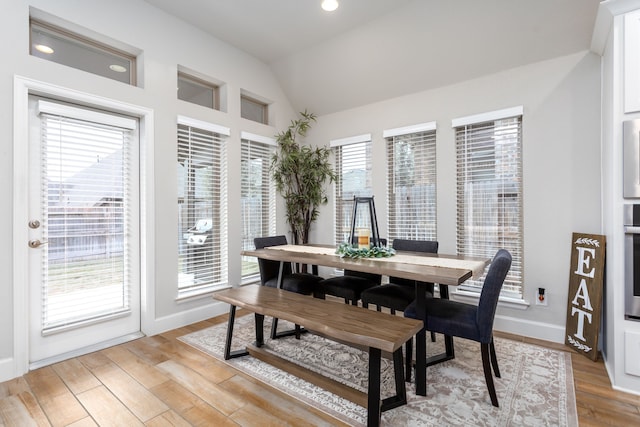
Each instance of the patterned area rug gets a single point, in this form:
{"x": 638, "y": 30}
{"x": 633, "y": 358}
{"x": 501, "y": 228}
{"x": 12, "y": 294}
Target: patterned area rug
{"x": 536, "y": 387}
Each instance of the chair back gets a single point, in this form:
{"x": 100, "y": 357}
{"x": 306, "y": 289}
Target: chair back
{"x": 269, "y": 269}
{"x": 490, "y": 292}
{"x": 428, "y": 246}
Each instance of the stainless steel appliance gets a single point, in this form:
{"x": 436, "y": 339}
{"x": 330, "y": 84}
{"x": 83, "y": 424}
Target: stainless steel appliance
{"x": 632, "y": 261}
{"x": 631, "y": 160}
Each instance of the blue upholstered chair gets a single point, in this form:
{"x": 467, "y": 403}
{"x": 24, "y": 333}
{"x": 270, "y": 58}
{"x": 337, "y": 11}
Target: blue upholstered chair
{"x": 469, "y": 321}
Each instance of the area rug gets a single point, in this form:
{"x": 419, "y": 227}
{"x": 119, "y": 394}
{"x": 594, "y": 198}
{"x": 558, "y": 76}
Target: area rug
{"x": 536, "y": 387}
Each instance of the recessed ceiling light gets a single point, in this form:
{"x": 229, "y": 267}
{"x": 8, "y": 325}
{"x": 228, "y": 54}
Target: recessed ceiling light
{"x": 117, "y": 68}
{"x": 329, "y": 5}
{"x": 43, "y": 48}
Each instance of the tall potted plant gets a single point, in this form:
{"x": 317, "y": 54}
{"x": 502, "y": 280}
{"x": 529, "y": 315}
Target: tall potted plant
{"x": 300, "y": 173}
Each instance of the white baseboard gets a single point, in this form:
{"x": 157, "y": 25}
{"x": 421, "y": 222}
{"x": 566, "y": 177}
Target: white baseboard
{"x": 7, "y": 369}
{"x": 528, "y": 328}
{"x": 184, "y": 318}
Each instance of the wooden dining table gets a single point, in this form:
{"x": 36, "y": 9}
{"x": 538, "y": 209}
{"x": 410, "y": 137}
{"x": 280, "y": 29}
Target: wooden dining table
{"x": 442, "y": 269}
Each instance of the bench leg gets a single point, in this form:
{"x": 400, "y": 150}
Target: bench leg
{"x": 401, "y": 390}
{"x": 373, "y": 403}
{"x": 228, "y": 354}
{"x": 259, "y": 329}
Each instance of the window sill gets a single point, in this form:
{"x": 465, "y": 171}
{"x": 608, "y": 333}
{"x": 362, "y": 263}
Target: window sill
{"x": 506, "y": 302}
{"x": 196, "y": 294}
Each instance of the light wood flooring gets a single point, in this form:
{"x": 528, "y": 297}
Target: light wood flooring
{"x": 159, "y": 381}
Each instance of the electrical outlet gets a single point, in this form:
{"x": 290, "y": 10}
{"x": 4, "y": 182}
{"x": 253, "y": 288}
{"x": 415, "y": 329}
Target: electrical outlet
{"x": 541, "y": 297}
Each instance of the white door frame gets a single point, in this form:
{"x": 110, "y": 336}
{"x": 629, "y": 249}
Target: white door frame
{"x": 22, "y": 88}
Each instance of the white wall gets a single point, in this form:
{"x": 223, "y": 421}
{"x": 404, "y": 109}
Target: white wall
{"x": 165, "y": 42}
{"x": 561, "y": 161}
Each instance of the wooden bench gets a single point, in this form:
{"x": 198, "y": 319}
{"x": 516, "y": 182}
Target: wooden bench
{"x": 356, "y": 326}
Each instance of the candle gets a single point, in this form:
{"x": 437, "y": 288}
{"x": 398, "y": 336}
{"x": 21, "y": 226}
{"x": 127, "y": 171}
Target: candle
{"x": 363, "y": 238}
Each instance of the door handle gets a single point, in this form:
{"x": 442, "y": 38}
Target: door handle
{"x": 36, "y": 243}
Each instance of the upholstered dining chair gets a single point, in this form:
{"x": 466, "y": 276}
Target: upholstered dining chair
{"x": 469, "y": 321}
{"x": 399, "y": 293}
{"x": 301, "y": 283}
{"x": 349, "y": 286}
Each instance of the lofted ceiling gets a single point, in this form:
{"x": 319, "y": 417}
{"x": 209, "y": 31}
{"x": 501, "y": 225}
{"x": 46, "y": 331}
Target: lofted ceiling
{"x": 370, "y": 50}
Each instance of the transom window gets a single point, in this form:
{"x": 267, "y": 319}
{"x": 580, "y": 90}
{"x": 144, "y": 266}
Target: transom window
{"x": 253, "y": 109}
{"x": 489, "y": 192}
{"x": 67, "y": 48}
{"x": 198, "y": 91}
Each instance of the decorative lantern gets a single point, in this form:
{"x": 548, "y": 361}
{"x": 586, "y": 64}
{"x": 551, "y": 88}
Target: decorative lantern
{"x": 363, "y": 234}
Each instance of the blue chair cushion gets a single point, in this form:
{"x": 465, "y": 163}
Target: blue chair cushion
{"x": 448, "y": 317}
{"x": 393, "y": 296}
{"x": 300, "y": 283}
{"x": 349, "y": 287}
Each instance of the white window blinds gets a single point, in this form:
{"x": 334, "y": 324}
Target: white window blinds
{"x": 489, "y": 195}
{"x": 411, "y": 191}
{"x": 258, "y": 198}
{"x": 353, "y": 178}
{"x": 87, "y": 164}
{"x": 202, "y": 202}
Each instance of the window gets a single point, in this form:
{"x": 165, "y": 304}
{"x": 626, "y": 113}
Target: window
{"x": 411, "y": 159}
{"x": 489, "y": 191}
{"x": 198, "y": 91}
{"x": 252, "y": 109}
{"x": 202, "y": 220}
{"x": 258, "y": 196}
{"x": 353, "y": 178}
{"x": 63, "y": 47}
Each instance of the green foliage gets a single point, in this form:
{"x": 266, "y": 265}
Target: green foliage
{"x": 300, "y": 172}
{"x": 345, "y": 250}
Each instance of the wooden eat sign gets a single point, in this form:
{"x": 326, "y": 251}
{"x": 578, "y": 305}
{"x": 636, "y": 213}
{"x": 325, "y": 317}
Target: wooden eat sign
{"x": 584, "y": 306}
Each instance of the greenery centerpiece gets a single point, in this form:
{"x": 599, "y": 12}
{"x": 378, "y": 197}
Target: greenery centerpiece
{"x": 346, "y": 250}
{"x": 300, "y": 173}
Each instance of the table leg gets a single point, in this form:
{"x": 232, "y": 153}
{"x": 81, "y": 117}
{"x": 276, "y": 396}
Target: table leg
{"x": 401, "y": 390}
{"x": 373, "y": 403}
{"x": 421, "y": 342}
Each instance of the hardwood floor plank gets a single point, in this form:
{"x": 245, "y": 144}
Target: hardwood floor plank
{"x": 13, "y": 387}
{"x": 174, "y": 395}
{"x": 34, "y": 409}
{"x": 85, "y": 422}
{"x": 277, "y": 403}
{"x": 106, "y": 409}
{"x": 56, "y": 400}
{"x": 75, "y": 376}
{"x": 144, "y": 404}
{"x": 211, "y": 393}
{"x": 168, "y": 419}
{"x": 14, "y": 413}
{"x": 142, "y": 371}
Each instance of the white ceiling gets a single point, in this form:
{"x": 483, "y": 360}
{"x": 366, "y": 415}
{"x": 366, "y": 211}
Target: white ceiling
{"x": 371, "y": 50}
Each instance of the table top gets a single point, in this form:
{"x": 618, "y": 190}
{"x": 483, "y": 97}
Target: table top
{"x": 326, "y": 317}
{"x": 436, "y": 268}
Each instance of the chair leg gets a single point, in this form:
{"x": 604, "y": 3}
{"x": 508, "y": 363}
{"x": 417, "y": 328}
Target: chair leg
{"x": 433, "y": 337}
{"x": 494, "y": 359}
{"x": 354, "y": 302}
{"x": 408, "y": 359}
{"x": 365, "y": 304}
{"x": 393, "y": 311}
{"x": 488, "y": 376}
{"x": 379, "y": 308}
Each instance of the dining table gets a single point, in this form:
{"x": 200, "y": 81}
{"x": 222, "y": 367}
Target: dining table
{"x": 442, "y": 269}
